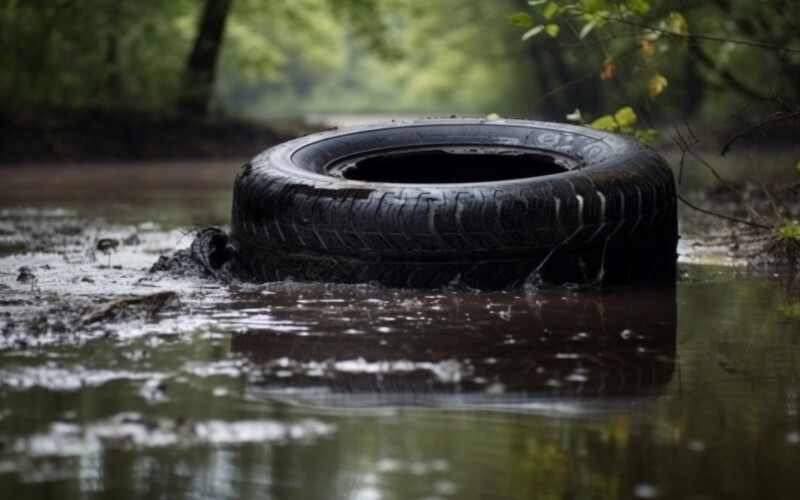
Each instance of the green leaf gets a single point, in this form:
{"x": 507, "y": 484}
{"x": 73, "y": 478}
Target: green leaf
{"x": 656, "y": 85}
{"x": 533, "y": 32}
{"x": 790, "y": 310}
{"x": 521, "y": 19}
{"x": 625, "y": 117}
{"x": 797, "y": 165}
{"x": 677, "y": 23}
{"x": 593, "y": 6}
{"x": 645, "y": 135}
{"x": 597, "y": 19}
{"x": 536, "y": 2}
{"x": 552, "y": 29}
{"x": 605, "y": 122}
{"x": 575, "y": 116}
{"x": 789, "y": 232}
{"x": 550, "y": 10}
{"x": 639, "y": 6}
{"x": 587, "y": 28}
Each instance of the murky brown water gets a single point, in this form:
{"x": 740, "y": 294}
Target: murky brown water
{"x": 289, "y": 390}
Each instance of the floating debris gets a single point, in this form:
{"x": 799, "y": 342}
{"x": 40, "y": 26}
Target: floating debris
{"x": 105, "y": 245}
{"x": 210, "y": 254}
{"x": 26, "y": 275}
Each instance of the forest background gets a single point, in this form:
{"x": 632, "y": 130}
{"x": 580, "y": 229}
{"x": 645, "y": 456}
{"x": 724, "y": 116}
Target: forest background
{"x": 668, "y": 60}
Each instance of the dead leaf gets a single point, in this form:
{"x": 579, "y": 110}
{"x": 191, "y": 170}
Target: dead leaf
{"x": 609, "y": 69}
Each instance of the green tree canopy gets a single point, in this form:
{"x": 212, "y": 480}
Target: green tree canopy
{"x": 665, "y": 61}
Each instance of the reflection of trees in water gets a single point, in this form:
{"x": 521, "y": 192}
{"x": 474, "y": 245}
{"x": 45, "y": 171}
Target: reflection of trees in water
{"x": 585, "y": 344}
{"x": 789, "y": 307}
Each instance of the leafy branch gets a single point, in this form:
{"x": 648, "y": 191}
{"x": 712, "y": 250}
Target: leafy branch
{"x": 685, "y": 35}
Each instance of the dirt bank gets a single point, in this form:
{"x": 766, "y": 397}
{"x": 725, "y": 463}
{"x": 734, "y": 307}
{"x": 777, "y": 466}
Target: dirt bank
{"x": 740, "y": 228}
{"x": 101, "y": 135}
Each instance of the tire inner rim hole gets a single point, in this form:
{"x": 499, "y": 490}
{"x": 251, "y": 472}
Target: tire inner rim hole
{"x": 451, "y": 165}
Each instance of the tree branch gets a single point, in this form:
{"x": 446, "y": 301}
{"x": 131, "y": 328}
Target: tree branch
{"x": 724, "y": 74}
{"x": 582, "y": 78}
{"x": 786, "y": 19}
{"x": 722, "y": 216}
{"x": 710, "y": 38}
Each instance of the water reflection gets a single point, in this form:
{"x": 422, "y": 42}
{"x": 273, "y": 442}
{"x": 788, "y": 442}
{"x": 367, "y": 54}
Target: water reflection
{"x": 471, "y": 349}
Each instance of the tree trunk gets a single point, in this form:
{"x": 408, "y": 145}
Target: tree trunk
{"x": 694, "y": 88}
{"x": 112, "y": 84}
{"x": 198, "y": 76}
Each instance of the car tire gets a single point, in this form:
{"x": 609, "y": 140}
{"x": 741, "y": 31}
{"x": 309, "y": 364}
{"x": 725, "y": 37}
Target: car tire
{"x": 487, "y": 203}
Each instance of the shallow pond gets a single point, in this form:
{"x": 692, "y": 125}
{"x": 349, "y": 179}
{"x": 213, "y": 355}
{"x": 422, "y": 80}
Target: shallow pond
{"x": 119, "y": 383}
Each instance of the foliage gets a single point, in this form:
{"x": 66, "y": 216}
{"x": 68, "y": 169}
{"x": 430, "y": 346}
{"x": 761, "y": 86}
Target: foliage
{"x": 790, "y": 232}
{"x": 96, "y": 53}
{"x": 91, "y": 52}
{"x": 672, "y": 61}
{"x": 789, "y": 310}
{"x": 277, "y": 57}
{"x": 445, "y": 61}
{"x": 447, "y": 56}
{"x": 642, "y": 47}
{"x": 622, "y": 121}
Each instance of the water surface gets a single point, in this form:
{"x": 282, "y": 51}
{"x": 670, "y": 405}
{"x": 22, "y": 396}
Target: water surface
{"x": 290, "y": 390}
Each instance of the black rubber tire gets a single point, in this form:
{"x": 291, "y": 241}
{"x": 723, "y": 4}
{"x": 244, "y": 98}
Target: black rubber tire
{"x": 601, "y": 209}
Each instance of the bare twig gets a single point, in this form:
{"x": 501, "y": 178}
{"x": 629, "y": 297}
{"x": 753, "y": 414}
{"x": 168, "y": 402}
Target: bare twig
{"x": 583, "y": 77}
{"x": 727, "y": 76}
{"x": 683, "y": 145}
{"x": 752, "y": 211}
{"x": 686, "y": 147}
{"x": 786, "y": 19}
{"x": 691, "y": 132}
{"x": 596, "y": 41}
{"x": 722, "y": 216}
{"x": 710, "y": 38}
{"x": 775, "y": 118}
{"x": 757, "y": 172}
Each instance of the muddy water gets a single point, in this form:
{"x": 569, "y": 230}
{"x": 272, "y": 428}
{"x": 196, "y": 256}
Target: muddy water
{"x": 120, "y": 383}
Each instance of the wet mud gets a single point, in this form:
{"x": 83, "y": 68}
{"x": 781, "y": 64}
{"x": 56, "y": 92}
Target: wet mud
{"x": 755, "y": 244}
{"x": 63, "y": 274}
{"x": 211, "y": 253}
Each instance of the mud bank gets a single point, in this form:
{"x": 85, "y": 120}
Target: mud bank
{"x": 745, "y": 233}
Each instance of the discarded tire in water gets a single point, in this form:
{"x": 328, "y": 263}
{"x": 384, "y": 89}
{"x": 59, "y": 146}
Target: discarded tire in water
{"x": 488, "y": 203}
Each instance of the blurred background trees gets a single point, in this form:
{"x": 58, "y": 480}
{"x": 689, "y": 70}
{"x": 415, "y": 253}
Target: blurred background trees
{"x": 267, "y": 58}
{"x": 259, "y": 57}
